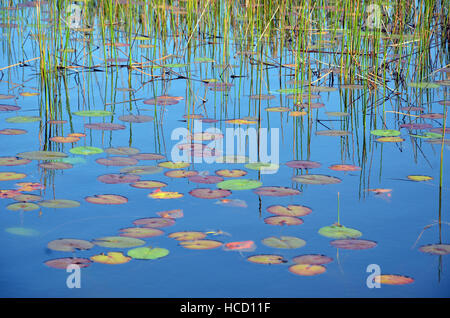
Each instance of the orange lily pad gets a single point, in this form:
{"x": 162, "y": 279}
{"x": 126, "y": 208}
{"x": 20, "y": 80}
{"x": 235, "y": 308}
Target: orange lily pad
{"x": 307, "y": 269}
{"x": 234, "y": 173}
{"x": 393, "y": 279}
{"x": 204, "y": 193}
{"x": 290, "y": 210}
{"x": 200, "y": 244}
{"x": 148, "y": 184}
{"x": 67, "y": 139}
{"x": 6, "y": 176}
{"x": 112, "y": 258}
{"x": 158, "y": 194}
{"x": 140, "y": 232}
{"x": 154, "y": 222}
{"x": 106, "y": 199}
{"x": 312, "y": 259}
{"x": 283, "y": 220}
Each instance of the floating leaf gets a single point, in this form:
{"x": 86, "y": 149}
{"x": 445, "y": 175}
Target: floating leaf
{"x": 205, "y": 179}
{"x": 200, "y": 244}
{"x": 187, "y": 236}
{"x": 278, "y": 109}
{"x": 6, "y": 176}
{"x": 148, "y": 156}
{"x": 436, "y": 249}
{"x": 262, "y": 166}
{"x": 171, "y": 214}
{"x": 7, "y": 194}
{"x": 158, "y": 194}
{"x": 118, "y": 178}
{"x": 55, "y": 165}
{"x": 86, "y": 150}
{"x": 432, "y": 116}
{"x": 385, "y": 132}
{"x": 136, "y": 118}
{"x": 141, "y": 170}
{"x": 312, "y": 259}
{"x": 27, "y": 198}
{"x": 419, "y": 178}
{"x": 276, "y": 191}
{"x": 337, "y": 114}
{"x": 140, "y": 232}
{"x": 232, "y": 203}
{"x": 112, "y": 258}
{"x": 23, "y": 207}
{"x": 59, "y": 204}
{"x": 267, "y": 259}
{"x": 148, "y": 184}
{"x": 204, "y": 193}
{"x": 180, "y": 173}
{"x": 287, "y": 242}
{"x": 283, "y": 220}
{"x": 344, "y": 167}
{"x": 104, "y": 126}
{"x": 316, "y": 179}
{"x": 22, "y": 231}
{"x": 415, "y": 126}
{"x": 93, "y": 113}
{"x": 393, "y": 279}
{"x": 390, "y": 139}
{"x": 262, "y": 97}
{"x": 29, "y": 186}
{"x": 339, "y": 232}
{"x": 117, "y": 161}
{"x": 298, "y": 113}
{"x": 63, "y": 263}
{"x": 239, "y": 184}
{"x": 12, "y": 131}
{"x": 174, "y": 165}
{"x": 423, "y": 85}
{"x": 60, "y": 139}
{"x": 118, "y": 241}
{"x": 13, "y": 161}
{"x": 163, "y": 100}
{"x": 307, "y": 269}
{"x": 290, "y": 210}
{"x": 122, "y": 151}
{"x": 79, "y": 135}
{"x": 8, "y": 108}
{"x": 106, "y": 199}
{"x": 154, "y": 222}
{"x": 244, "y": 246}
{"x": 235, "y": 173}
{"x": 23, "y": 119}
{"x": 41, "y": 155}
{"x": 69, "y": 245}
{"x": 147, "y": 253}
{"x": 303, "y": 164}
{"x": 353, "y": 244}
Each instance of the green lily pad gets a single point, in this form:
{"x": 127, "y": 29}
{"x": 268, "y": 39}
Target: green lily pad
{"x": 41, "y": 155}
{"x": 69, "y": 245}
{"x": 93, "y": 113}
{"x": 427, "y": 135}
{"x": 339, "y": 232}
{"x": 86, "y": 150}
{"x": 385, "y": 132}
{"x": 239, "y": 184}
{"x": 23, "y": 119}
{"x": 147, "y": 253}
{"x": 118, "y": 241}
{"x": 23, "y": 206}
{"x": 22, "y": 231}
{"x": 72, "y": 160}
{"x": 284, "y": 242}
{"x": 59, "y": 204}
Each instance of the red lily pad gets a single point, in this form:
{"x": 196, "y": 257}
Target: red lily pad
{"x": 8, "y": 108}
{"x": 303, "y": 164}
{"x": 63, "y": 263}
{"x": 204, "y": 193}
{"x": 117, "y": 161}
{"x": 106, "y": 199}
{"x": 432, "y": 116}
{"x": 12, "y": 131}
{"x": 276, "y": 191}
{"x": 290, "y": 210}
{"x": 206, "y": 179}
{"x": 312, "y": 259}
{"x": 353, "y": 244}
{"x": 180, "y": 173}
{"x": 163, "y": 100}
{"x": 344, "y": 167}
{"x": 283, "y": 220}
{"x": 243, "y": 246}
{"x": 154, "y": 222}
{"x": 436, "y": 249}
{"x": 122, "y": 151}
{"x": 69, "y": 245}
{"x": 415, "y": 126}
{"x": 140, "y": 232}
{"x": 55, "y": 165}
{"x": 118, "y": 178}
{"x": 316, "y": 179}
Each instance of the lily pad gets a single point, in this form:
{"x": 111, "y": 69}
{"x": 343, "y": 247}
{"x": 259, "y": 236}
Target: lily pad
{"x": 174, "y": 165}
{"x": 334, "y": 133}
{"x": 42, "y": 155}
{"x": 436, "y": 249}
{"x": 12, "y": 131}
{"x": 276, "y": 191}
{"x": 200, "y": 244}
{"x": 27, "y": 198}
{"x": 171, "y": 214}
{"x": 316, "y": 179}
{"x": 303, "y": 164}
{"x": 122, "y": 151}
{"x": 23, "y": 119}
{"x": 117, "y": 161}
{"x": 63, "y": 263}
{"x": 140, "y": 232}
{"x": 22, "y": 206}
{"x": 206, "y": 179}
{"x": 106, "y": 199}
{"x": 8, "y": 108}
{"x": 136, "y": 118}
{"x": 147, "y": 253}
{"x": 61, "y": 139}
{"x": 154, "y": 222}
{"x": 118, "y": 241}
{"x": 55, "y": 165}
{"x": 204, "y": 193}
{"x": 112, "y": 258}
{"x": 239, "y": 184}
{"x": 385, "y": 132}
{"x": 118, "y": 178}
{"x": 283, "y": 220}
{"x": 243, "y": 246}
{"x": 233, "y": 173}
{"x": 419, "y": 178}
{"x": 307, "y": 269}
{"x": 287, "y": 242}
{"x": 93, "y": 113}
{"x": 393, "y": 279}
{"x": 86, "y": 150}
{"x": 339, "y": 232}
{"x": 141, "y": 170}
{"x": 69, "y": 245}
{"x": 290, "y": 210}
{"x": 148, "y": 156}
{"x": 13, "y": 161}
{"x": 104, "y": 126}
{"x": 148, "y": 184}
{"x": 22, "y": 231}
{"x": 6, "y": 176}
{"x": 262, "y": 166}
{"x": 353, "y": 244}
{"x": 267, "y": 259}
{"x": 187, "y": 236}
{"x": 176, "y": 173}
{"x": 59, "y": 204}
{"x": 312, "y": 259}
{"x": 344, "y": 167}
{"x": 390, "y": 139}
{"x": 158, "y": 194}
{"x": 423, "y": 85}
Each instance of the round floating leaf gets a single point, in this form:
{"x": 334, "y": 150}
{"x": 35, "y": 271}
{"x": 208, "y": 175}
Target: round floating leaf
{"x": 419, "y": 178}
{"x": 148, "y": 184}
{"x": 118, "y": 178}
{"x": 93, "y": 113}
{"x": 432, "y": 116}
{"x": 148, "y": 156}
{"x": 13, "y": 161}
{"x": 205, "y": 179}
{"x": 393, "y": 279}
{"x": 316, "y": 179}
{"x": 163, "y": 100}
{"x": 6, "y": 176}
{"x": 171, "y": 214}
{"x": 234, "y": 173}
{"x": 55, "y": 165}
{"x": 60, "y": 139}
{"x": 8, "y": 108}
{"x": 335, "y": 133}
{"x": 276, "y": 191}
{"x": 283, "y": 220}
{"x": 27, "y": 198}
{"x": 187, "y": 236}
{"x": 112, "y": 258}
{"x": 239, "y": 184}
{"x": 267, "y": 259}
{"x": 86, "y": 150}
{"x": 290, "y": 210}
{"x": 59, "y": 204}
{"x": 122, "y": 151}
{"x": 390, "y": 139}
{"x": 154, "y": 222}
{"x": 23, "y": 207}
{"x": 72, "y": 160}
{"x": 117, "y": 161}
{"x": 344, "y": 167}
{"x": 303, "y": 164}
{"x": 262, "y": 166}
{"x": 278, "y": 109}
{"x": 244, "y": 246}
{"x": 385, "y": 132}
{"x": 147, "y": 253}
{"x": 141, "y": 170}
{"x": 204, "y": 193}
{"x": 339, "y": 232}
{"x": 219, "y": 86}
{"x": 310, "y": 105}
{"x": 63, "y": 263}
{"x": 140, "y": 232}
{"x": 307, "y": 269}
{"x": 106, "y": 199}
{"x": 416, "y": 126}
{"x": 158, "y": 194}
{"x": 42, "y": 155}
{"x": 312, "y": 259}
{"x": 104, "y": 126}
{"x": 12, "y": 131}
{"x": 136, "y": 118}
{"x": 200, "y": 244}
{"x": 174, "y": 165}
{"x": 118, "y": 241}
{"x": 436, "y": 249}
{"x": 79, "y": 135}
{"x": 22, "y": 231}
{"x": 288, "y": 242}
{"x": 7, "y": 194}
{"x": 353, "y": 244}
{"x": 180, "y": 173}
{"x": 298, "y": 113}
{"x": 23, "y": 119}
{"x": 69, "y": 245}
{"x": 322, "y": 89}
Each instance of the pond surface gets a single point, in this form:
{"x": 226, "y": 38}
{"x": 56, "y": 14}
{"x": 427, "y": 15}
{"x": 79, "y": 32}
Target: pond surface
{"x": 315, "y": 176}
